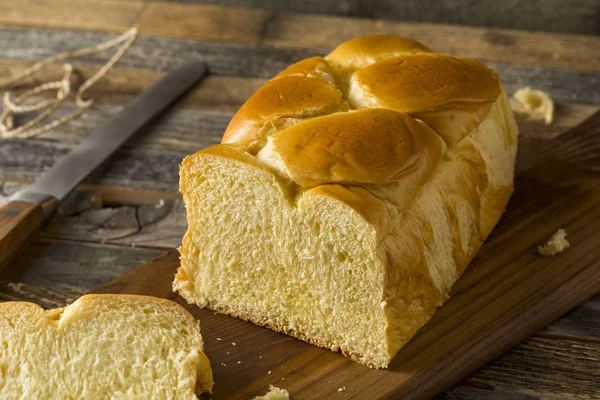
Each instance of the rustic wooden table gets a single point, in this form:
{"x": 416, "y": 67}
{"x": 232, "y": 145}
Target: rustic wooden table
{"x": 129, "y": 211}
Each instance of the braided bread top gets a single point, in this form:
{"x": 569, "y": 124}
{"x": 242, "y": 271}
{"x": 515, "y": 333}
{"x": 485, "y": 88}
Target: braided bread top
{"x": 365, "y": 124}
{"x": 373, "y": 110}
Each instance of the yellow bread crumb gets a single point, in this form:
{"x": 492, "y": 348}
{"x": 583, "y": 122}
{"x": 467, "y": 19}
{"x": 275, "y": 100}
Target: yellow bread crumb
{"x": 536, "y": 102}
{"x": 274, "y": 393}
{"x": 557, "y": 244}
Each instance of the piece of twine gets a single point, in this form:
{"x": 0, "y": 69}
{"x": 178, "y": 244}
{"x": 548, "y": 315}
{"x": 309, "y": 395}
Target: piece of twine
{"x": 62, "y": 87}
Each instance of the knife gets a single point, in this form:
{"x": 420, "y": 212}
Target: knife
{"x": 30, "y": 208}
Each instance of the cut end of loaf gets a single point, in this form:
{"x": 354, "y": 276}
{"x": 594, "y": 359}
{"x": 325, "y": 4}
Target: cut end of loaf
{"x": 283, "y": 248}
{"x": 124, "y": 346}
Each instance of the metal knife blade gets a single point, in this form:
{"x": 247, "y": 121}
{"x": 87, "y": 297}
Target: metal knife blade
{"x": 101, "y": 143}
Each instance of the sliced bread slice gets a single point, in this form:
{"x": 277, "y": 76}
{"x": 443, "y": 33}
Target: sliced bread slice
{"x": 100, "y": 347}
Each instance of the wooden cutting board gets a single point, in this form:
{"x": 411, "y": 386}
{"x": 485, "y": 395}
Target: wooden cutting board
{"x": 507, "y": 293}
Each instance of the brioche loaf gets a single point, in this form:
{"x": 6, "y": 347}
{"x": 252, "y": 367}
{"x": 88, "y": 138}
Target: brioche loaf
{"x": 349, "y": 193}
{"x": 102, "y": 347}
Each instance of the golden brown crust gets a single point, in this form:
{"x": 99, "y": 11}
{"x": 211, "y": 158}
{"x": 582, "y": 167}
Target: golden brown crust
{"x": 365, "y": 50}
{"x": 451, "y": 94}
{"x": 231, "y": 151}
{"x": 314, "y": 67}
{"x": 276, "y": 104}
{"x": 51, "y": 313}
{"x": 319, "y": 142}
{"x": 372, "y": 209}
{"x": 364, "y": 147}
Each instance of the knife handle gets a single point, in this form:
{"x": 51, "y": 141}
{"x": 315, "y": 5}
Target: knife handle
{"x": 19, "y": 222}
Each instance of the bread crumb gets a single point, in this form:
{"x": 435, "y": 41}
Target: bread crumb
{"x": 342, "y": 389}
{"x": 274, "y": 393}
{"x": 223, "y": 364}
{"x": 17, "y": 288}
{"x": 269, "y": 372}
{"x": 536, "y": 102}
{"x": 219, "y": 338}
{"x": 161, "y": 204}
{"x": 239, "y": 362}
{"x": 233, "y": 343}
{"x": 557, "y": 244}
{"x": 227, "y": 352}
{"x": 260, "y": 357}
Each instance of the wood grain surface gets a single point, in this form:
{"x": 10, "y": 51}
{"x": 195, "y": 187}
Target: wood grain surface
{"x": 129, "y": 211}
{"x": 255, "y": 26}
{"x": 579, "y": 16}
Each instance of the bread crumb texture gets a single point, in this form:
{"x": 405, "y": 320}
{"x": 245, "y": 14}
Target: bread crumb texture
{"x": 274, "y": 393}
{"x": 536, "y": 102}
{"x": 100, "y": 347}
{"x": 348, "y": 195}
{"x": 556, "y": 244}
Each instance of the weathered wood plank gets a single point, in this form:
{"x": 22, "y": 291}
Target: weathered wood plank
{"x": 45, "y": 296}
{"x": 154, "y": 52}
{"x": 468, "y": 392}
{"x": 254, "y": 26}
{"x": 110, "y": 16}
{"x": 215, "y": 93}
{"x": 579, "y": 16}
{"x": 288, "y": 29}
{"x": 159, "y": 54}
{"x": 547, "y": 367}
{"x": 73, "y": 265}
{"x": 582, "y": 323}
{"x": 178, "y": 130}
{"x": 298, "y": 30}
{"x": 150, "y": 169}
{"x": 159, "y": 225}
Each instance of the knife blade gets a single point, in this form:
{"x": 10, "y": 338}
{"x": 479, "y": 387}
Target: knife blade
{"x": 22, "y": 217}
